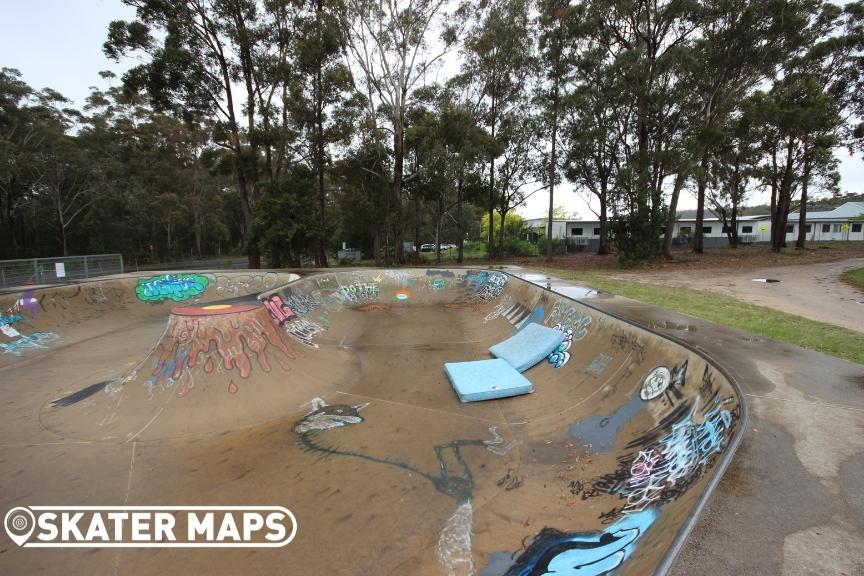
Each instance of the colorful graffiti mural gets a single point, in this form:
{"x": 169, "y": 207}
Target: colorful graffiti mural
{"x": 553, "y": 552}
{"x": 27, "y": 301}
{"x": 278, "y": 309}
{"x": 560, "y": 356}
{"x": 171, "y": 287}
{"x": 566, "y": 317}
{"x": 664, "y": 462}
{"x": 219, "y": 343}
{"x": 10, "y": 319}
{"x": 34, "y": 341}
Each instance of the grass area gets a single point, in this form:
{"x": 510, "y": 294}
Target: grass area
{"x": 854, "y": 277}
{"x": 728, "y": 311}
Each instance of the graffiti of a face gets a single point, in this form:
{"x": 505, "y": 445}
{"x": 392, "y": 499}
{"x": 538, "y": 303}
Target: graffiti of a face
{"x": 655, "y": 383}
{"x": 325, "y": 416}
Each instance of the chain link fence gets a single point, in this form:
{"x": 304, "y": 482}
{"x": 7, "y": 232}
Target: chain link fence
{"x": 55, "y": 270}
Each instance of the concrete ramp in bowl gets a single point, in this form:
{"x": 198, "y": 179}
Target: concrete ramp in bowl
{"x": 327, "y": 395}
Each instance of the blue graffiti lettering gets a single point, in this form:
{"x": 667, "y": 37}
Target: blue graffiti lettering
{"x": 583, "y": 554}
{"x": 31, "y": 342}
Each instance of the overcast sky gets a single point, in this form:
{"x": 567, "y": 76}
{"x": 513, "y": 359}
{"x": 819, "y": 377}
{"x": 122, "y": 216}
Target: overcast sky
{"x": 58, "y": 43}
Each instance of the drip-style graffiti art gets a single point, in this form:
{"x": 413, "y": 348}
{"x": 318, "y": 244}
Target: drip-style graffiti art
{"x": 220, "y": 343}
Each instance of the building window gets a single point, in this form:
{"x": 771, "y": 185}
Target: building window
{"x": 576, "y": 232}
{"x": 746, "y": 229}
{"x": 727, "y": 229}
{"x": 856, "y": 227}
{"x": 790, "y": 228}
{"x": 596, "y": 231}
{"x": 706, "y": 229}
{"x": 826, "y": 227}
{"x": 685, "y": 231}
{"x": 807, "y": 228}
{"x": 837, "y": 228}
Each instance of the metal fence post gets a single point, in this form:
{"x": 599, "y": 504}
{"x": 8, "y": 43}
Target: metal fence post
{"x": 36, "y": 271}
{"x": 121, "y": 264}
{"x": 86, "y": 270}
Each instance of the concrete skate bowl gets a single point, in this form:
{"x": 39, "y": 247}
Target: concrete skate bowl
{"x": 327, "y": 395}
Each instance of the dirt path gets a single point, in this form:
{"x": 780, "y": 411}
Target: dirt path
{"x": 813, "y": 291}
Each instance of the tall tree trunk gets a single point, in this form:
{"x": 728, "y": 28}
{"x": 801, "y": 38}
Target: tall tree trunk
{"x": 680, "y": 178}
{"x": 492, "y": 186}
{"x": 552, "y": 157}
{"x": 602, "y": 245}
{"x": 460, "y": 225}
{"x": 417, "y": 224}
{"x": 376, "y": 245}
{"x": 398, "y": 174}
{"x": 501, "y": 251}
{"x": 802, "y": 212}
{"x": 698, "y": 233}
{"x": 439, "y": 215}
{"x": 321, "y": 241}
{"x": 784, "y": 199}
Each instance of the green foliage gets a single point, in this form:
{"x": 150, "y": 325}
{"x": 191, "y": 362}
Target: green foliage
{"x": 854, "y": 277}
{"x": 514, "y": 224}
{"x": 255, "y": 132}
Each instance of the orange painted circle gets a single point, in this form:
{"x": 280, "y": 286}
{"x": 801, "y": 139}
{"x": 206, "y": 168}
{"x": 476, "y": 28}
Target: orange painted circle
{"x": 213, "y": 309}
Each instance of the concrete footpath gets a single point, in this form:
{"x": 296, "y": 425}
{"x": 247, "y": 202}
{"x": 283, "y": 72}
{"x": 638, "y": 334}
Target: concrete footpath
{"x": 792, "y": 500}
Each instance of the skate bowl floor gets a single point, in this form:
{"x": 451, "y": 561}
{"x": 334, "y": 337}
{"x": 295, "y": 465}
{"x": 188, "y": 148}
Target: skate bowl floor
{"x": 327, "y": 395}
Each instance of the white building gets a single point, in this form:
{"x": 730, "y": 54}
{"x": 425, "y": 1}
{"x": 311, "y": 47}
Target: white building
{"x": 841, "y": 223}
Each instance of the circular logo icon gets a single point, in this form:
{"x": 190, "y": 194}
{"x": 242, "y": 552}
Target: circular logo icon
{"x": 19, "y": 523}
{"x": 655, "y": 383}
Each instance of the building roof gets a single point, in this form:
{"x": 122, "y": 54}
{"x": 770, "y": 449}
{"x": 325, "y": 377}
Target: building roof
{"x": 846, "y": 211}
{"x": 690, "y": 215}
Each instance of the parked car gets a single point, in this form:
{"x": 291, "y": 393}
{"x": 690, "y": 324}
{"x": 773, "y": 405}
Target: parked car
{"x": 448, "y": 246}
{"x": 427, "y": 248}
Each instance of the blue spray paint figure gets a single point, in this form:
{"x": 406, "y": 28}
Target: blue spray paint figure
{"x": 556, "y": 553}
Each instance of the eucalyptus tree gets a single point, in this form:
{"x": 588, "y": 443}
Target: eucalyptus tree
{"x": 800, "y": 115}
{"x": 740, "y": 45}
{"x": 646, "y": 44}
{"x": 447, "y": 147}
{"x": 520, "y": 172}
{"x": 853, "y": 72}
{"x": 322, "y": 102}
{"x": 557, "y": 21}
{"x": 29, "y": 120}
{"x": 498, "y": 62}
{"x": 212, "y": 59}
{"x": 733, "y": 169}
{"x": 396, "y": 46}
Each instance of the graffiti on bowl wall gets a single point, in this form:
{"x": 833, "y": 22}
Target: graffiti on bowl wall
{"x": 171, "y": 287}
{"x": 453, "y": 477}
